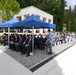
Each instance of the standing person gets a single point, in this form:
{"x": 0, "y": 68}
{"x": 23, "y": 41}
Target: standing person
{"x": 49, "y": 41}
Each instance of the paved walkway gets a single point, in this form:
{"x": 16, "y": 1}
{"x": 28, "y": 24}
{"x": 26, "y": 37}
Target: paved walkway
{"x": 39, "y": 55}
{"x": 63, "y": 64}
{"x": 9, "y": 65}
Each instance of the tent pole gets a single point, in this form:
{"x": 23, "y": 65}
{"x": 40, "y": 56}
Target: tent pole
{"x": 33, "y": 39}
{"x": 8, "y": 36}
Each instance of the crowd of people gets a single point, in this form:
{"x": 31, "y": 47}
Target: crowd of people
{"x": 23, "y": 43}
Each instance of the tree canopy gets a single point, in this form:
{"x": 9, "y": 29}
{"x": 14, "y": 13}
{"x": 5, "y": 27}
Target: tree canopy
{"x": 8, "y": 8}
{"x": 56, "y": 8}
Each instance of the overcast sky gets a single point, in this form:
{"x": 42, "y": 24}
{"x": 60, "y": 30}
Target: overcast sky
{"x": 71, "y": 2}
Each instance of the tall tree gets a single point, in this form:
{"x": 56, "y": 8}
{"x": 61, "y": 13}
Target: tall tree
{"x": 22, "y": 3}
{"x": 66, "y": 19}
{"x": 69, "y": 15}
{"x": 62, "y": 8}
{"x": 8, "y": 8}
{"x": 54, "y": 7}
{"x": 75, "y": 17}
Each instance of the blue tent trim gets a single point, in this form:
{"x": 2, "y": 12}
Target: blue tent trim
{"x": 9, "y": 23}
{"x": 33, "y": 21}
{"x": 29, "y": 22}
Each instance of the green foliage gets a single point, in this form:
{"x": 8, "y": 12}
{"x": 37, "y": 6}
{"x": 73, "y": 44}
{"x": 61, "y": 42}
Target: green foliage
{"x": 70, "y": 19}
{"x": 9, "y": 8}
{"x": 74, "y": 18}
{"x": 57, "y": 9}
{"x": 22, "y": 3}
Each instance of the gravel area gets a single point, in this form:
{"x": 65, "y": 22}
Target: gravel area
{"x": 36, "y": 58}
{"x": 26, "y": 61}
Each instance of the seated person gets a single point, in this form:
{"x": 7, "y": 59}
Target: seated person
{"x": 29, "y": 46}
{"x": 18, "y": 45}
{"x": 12, "y": 43}
{"x": 5, "y": 39}
{"x": 24, "y": 49}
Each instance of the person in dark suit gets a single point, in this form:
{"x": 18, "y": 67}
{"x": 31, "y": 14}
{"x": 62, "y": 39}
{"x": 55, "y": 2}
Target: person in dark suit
{"x": 24, "y": 49}
{"x": 29, "y": 45}
{"x": 5, "y": 39}
{"x": 14, "y": 40}
{"x": 18, "y": 45}
{"x": 12, "y": 43}
{"x": 16, "y": 37}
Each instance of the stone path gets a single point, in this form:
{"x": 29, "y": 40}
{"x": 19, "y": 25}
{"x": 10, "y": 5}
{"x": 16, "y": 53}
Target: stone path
{"x": 37, "y": 57}
{"x": 63, "y": 64}
{"x": 13, "y": 63}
